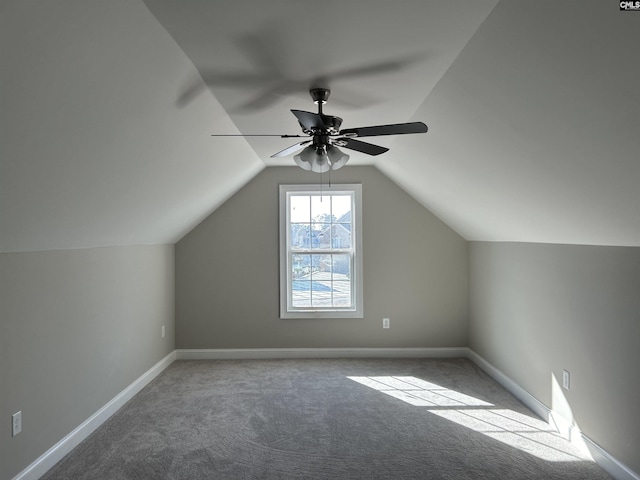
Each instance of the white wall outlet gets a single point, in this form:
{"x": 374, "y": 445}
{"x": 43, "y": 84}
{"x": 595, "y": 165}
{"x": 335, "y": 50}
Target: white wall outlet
{"x": 385, "y": 322}
{"x": 163, "y": 331}
{"x": 566, "y": 380}
{"x": 16, "y": 423}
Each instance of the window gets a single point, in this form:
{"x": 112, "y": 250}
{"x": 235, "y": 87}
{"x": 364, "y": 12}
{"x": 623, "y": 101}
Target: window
{"x": 320, "y": 251}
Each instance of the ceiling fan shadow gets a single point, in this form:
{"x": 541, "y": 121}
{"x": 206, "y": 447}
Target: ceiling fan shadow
{"x": 275, "y": 77}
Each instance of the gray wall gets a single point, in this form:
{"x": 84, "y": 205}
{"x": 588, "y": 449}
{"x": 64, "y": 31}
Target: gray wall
{"x": 415, "y": 272}
{"x": 538, "y": 309}
{"x": 78, "y": 326}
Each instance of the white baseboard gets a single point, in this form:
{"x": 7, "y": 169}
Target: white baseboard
{"x": 276, "y": 353}
{"x": 608, "y": 463}
{"x": 535, "y": 405}
{"x": 52, "y": 456}
{"x": 612, "y": 466}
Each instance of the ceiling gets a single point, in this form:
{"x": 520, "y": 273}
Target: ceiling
{"x": 106, "y": 111}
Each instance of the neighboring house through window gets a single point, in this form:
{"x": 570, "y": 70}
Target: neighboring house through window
{"x": 320, "y": 251}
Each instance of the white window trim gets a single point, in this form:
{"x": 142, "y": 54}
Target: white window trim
{"x": 285, "y": 268}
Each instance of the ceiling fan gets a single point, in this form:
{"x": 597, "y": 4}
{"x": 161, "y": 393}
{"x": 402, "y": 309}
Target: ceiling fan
{"x": 320, "y": 153}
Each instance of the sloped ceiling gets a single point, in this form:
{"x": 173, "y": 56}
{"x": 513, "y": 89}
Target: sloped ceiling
{"x": 535, "y": 128}
{"x": 106, "y": 111}
{"x": 94, "y": 150}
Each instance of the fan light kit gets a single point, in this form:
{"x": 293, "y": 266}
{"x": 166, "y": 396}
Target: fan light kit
{"x": 321, "y": 153}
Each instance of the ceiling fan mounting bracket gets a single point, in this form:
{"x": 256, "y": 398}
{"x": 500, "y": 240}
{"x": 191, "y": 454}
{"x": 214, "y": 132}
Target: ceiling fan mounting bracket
{"x": 320, "y": 96}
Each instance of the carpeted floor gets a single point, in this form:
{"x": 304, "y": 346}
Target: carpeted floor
{"x": 324, "y": 419}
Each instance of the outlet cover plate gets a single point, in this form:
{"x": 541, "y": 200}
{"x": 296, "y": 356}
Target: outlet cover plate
{"x": 16, "y": 423}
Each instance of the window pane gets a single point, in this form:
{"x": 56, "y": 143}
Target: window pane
{"x": 341, "y": 235}
{"x": 341, "y": 207}
{"x": 321, "y": 267}
{"x": 321, "y": 281}
{"x": 300, "y": 209}
{"x": 322, "y": 233}
{"x": 320, "y": 208}
{"x": 341, "y": 275}
{"x": 341, "y": 268}
{"x": 301, "y": 267}
{"x": 300, "y": 235}
{"x": 300, "y": 293}
{"x": 342, "y": 294}
{"x": 301, "y": 280}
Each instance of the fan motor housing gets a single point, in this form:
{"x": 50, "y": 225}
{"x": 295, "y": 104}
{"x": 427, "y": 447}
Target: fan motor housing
{"x": 332, "y": 123}
{"x": 331, "y": 126}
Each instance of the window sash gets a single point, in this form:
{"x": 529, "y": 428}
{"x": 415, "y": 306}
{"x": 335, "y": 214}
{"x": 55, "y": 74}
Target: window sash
{"x": 320, "y": 282}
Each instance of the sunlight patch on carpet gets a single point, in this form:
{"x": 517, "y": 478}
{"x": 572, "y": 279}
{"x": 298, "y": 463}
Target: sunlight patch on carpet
{"x": 529, "y": 434}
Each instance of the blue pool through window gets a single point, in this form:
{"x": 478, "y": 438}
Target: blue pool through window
{"x": 306, "y": 286}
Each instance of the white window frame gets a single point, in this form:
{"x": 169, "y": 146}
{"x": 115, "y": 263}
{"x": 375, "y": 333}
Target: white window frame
{"x": 286, "y": 308}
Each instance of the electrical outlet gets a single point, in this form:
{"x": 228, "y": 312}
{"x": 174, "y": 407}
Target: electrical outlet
{"x": 566, "y": 380}
{"x": 385, "y": 322}
{"x": 16, "y": 423}
{"x": 163, "y": 331}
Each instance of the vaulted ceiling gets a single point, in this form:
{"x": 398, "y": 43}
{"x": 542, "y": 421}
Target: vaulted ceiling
{"x": 106, "y": 111}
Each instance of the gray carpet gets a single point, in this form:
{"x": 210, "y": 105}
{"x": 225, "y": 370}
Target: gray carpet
{"x": 324, "y": 419}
